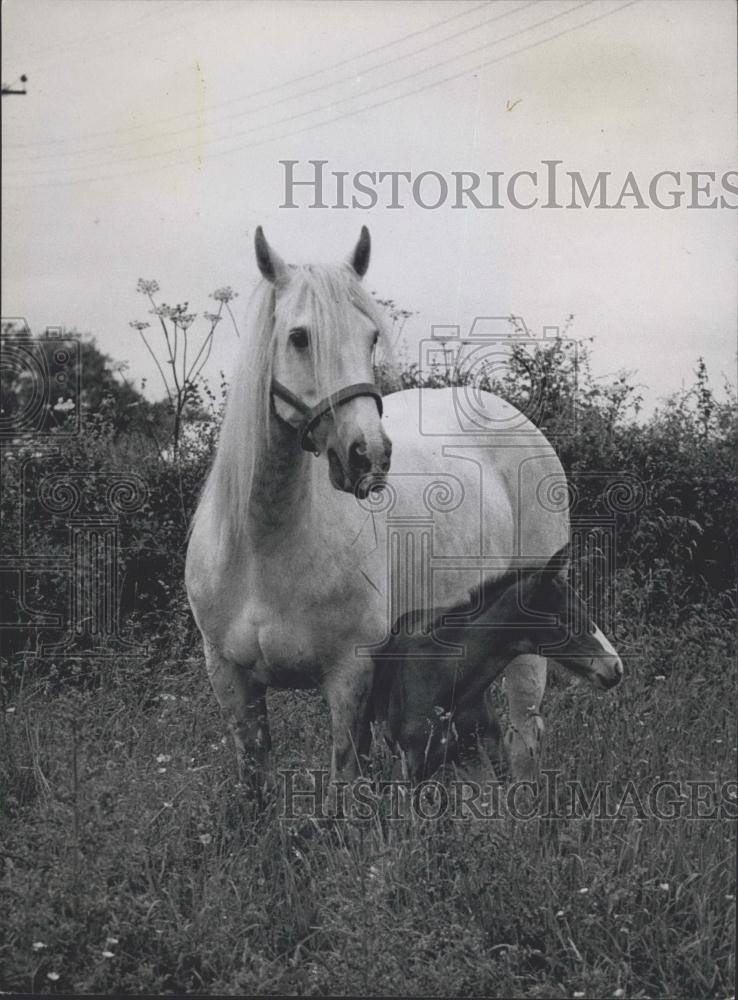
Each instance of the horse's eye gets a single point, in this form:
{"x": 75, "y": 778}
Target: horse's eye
{"x": 299, "y": 338}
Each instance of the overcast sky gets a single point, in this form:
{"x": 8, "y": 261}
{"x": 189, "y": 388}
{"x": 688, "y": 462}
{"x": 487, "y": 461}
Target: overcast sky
{"x": 148, "y": 145}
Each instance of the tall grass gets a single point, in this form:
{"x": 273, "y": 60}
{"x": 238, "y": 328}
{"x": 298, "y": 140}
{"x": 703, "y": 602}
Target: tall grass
{"x": 132, "y": 862}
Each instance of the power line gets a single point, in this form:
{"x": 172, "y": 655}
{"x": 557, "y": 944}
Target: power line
{"x": 295, "y": 97}
{"x": 375, "y": 105}
{"x": 347, "y": 114}
{"x": 263, "y": 90}
{"x": 332, "y": 104}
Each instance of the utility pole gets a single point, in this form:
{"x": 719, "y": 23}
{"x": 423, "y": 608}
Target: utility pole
{"x": 8, "y": 89}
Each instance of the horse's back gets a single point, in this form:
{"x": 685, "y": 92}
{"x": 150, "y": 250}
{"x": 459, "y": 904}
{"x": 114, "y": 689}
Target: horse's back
{"x": 471, "y": 455}
{"x": 461, "y": 411}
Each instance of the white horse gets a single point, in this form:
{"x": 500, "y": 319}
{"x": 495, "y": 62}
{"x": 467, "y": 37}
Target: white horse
{"x": 297, "y": 568}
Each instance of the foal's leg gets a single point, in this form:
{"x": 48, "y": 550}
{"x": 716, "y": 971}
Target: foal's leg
{"x": 481, "y": 752}
{"x": 347, "y": 691}
{"x": 490, "y": 737}
{"x": 525, "y": 683}
{"x": 243, "y": 703}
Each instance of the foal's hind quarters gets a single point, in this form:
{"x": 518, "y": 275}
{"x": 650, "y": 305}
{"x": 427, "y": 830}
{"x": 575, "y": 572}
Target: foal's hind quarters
{"x": 437, "y": 708}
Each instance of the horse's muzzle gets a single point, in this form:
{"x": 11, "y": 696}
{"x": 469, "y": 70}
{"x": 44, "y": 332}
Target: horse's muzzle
{"x": 362, "y": 468}
{"x": 608, "y": 672}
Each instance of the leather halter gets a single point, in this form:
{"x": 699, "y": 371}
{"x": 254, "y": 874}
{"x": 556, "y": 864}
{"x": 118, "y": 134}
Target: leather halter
{"x": 312, "y": 414}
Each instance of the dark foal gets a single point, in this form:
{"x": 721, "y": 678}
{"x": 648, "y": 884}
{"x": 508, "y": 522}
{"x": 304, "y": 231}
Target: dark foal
{"x": 437, "y": 708}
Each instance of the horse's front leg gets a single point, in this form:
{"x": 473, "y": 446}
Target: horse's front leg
{"x": 525, "y": 684}
{"x": 347, "y": 688}
{"x": 243, "y": 703}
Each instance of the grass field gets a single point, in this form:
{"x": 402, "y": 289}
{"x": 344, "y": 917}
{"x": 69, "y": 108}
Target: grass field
{"x": 132, "y": 863}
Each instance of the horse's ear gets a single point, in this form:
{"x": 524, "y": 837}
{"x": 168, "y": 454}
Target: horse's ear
{"x": 559, "y": 562}
{"x": 270, "y": 263}
{"x": 359, "y": 259}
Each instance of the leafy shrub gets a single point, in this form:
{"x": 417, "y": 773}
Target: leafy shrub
{"x": 677, "y": 549}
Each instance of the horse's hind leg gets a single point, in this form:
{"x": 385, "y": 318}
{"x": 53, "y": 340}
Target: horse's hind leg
{"x": 243, "y": 703}
{"x": 525, "y": 683}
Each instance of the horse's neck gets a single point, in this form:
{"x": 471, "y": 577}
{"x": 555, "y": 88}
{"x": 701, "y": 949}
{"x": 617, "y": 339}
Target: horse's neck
{"x": 280, "y": 496}
{"x": 485, "y": 656}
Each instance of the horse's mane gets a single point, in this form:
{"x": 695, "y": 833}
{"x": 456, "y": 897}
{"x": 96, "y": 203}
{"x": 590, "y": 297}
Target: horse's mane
{"x": 480, "y": 598}
{"x": 483, "y": 596}
{"x": 329, "y": 293}
{"x": 490, "y": 590}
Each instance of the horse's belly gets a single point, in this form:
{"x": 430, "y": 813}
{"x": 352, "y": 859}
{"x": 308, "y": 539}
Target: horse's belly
{"x": 288, "y": 657}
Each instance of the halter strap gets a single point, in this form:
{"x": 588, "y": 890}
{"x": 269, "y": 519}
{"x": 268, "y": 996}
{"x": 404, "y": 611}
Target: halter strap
{"x": 289, "y": 397}
{"x": 311, "y": 415}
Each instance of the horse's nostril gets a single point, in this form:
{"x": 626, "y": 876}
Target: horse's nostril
{"x": 358, "y": 458}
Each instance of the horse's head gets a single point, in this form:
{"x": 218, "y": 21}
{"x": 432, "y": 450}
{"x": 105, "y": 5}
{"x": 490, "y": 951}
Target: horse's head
{"x": 326, "y": 328}
{"x": 575, "y": 641}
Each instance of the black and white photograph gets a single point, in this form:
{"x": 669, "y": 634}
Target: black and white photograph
{"x": 368, "y": 463}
